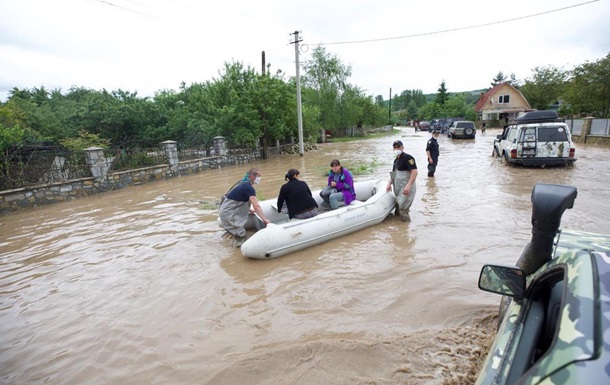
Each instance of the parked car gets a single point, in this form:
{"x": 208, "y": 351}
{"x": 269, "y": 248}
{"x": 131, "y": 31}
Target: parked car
{"x": 436, "y": 124}
{"x": 423, "y": 126}
{"x": 538, "y": 138}
{"x": 555, "y": 313}
{"x": 462, "y": 129}
{"x": 446, "y": 122}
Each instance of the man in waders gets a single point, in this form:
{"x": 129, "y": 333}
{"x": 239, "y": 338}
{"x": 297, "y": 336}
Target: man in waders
{"x": 235, "y": 209}
{"x": 402, "y": 178}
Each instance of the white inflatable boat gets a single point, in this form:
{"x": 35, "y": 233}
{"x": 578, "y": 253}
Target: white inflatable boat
{"x": 285, "y": 236}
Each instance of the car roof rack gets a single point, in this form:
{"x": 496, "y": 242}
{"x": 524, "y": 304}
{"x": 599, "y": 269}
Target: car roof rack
{"x": 538, "y": 117}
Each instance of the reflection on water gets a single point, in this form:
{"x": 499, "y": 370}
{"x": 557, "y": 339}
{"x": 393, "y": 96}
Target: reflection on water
{"x": 138, "y": 286}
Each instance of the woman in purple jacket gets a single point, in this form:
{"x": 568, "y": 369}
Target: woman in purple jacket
{"x": 341, "y": 179}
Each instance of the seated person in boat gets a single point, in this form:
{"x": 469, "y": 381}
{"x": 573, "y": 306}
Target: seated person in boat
{"x": 235, "y": 208}
{"x": 341, "y": 180}
{"x": 296, "y": 196}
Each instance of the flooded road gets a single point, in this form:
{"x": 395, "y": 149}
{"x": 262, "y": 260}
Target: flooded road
{"x": 137, "y": 286}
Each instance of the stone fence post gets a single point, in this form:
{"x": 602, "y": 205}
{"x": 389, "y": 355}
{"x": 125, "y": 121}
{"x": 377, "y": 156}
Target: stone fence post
{"x": 96, "y": 162}
{"x": 586, "y": 128}
{"x": 170, "y": 148}
{"x": 219, "y": 146}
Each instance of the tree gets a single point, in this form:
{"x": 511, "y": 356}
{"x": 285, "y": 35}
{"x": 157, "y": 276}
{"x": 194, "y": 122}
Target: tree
{"x": 544, "y": 87}
{"x": 499, "y": 79}
{"x": 327, "y": 76}
{"x": 441, "y": 95}
{"x": 588, "y": 89}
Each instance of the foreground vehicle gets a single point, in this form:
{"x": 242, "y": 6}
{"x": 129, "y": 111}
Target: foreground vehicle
{"x": 462, "y": 129}
{"x": 538, "y": 138}
{"x": 555, "y": 328}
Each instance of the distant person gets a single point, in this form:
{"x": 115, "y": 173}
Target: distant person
{"x": 402, "y": 178}
{"x": 341, "y": 181}
{"x": 296, "y": 195}
{"x": 432, "y": 151}
{"x": 483, "y": 125}
{"x": 235, "y": 208}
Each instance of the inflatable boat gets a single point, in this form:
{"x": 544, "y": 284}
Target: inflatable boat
{"x": 372, "y": 205}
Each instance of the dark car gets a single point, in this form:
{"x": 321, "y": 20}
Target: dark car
{"x": 436, "y": 124}
{"x": 422, "y": 126}
{"x": 555, "y": 313}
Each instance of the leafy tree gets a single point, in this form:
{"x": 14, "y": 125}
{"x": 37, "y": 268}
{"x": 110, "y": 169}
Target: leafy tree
{"x": 412, "y": 109}
{"x": 327, "y": 76}
{"x": 379, "y": 101}
{"x": 588, "y": 89}
{"x": 544, "y": 87}
{"x": 84, "y": 140}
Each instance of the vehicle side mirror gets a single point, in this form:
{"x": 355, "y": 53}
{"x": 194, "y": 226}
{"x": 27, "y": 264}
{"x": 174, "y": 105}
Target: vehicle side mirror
{"x": 505, "y": 280}
{"x": 499, "y": 137}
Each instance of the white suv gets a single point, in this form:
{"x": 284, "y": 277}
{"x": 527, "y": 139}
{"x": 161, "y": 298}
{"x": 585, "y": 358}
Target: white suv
{"x": 538, "y": 138}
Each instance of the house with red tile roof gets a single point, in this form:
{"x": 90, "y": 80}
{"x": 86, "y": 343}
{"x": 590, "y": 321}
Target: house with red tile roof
{"x": 502, "y": 102}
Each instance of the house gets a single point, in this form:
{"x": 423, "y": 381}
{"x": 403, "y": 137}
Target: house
{"x": 502, "y": 102}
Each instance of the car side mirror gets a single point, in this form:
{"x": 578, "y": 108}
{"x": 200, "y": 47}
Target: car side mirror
{"x": 505, "y": 280}
{"x": 499, "y": 137}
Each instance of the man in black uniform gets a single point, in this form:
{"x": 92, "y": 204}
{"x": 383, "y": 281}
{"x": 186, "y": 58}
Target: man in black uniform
{"x": 432, "y": 151}
{"x": 402, "y": 179}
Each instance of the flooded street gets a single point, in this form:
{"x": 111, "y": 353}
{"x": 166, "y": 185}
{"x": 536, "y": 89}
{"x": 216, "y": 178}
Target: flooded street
{"x": 137, "y": 286}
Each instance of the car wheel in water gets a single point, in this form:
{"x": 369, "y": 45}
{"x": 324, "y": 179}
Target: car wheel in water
{"x": 503, "y": 159}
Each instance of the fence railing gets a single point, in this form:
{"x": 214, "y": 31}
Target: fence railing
{"x": 598, "y": 126}
{"x": 30, "y": 165}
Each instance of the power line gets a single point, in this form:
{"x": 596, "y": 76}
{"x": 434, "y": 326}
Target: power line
{"x": 458, "y": 29}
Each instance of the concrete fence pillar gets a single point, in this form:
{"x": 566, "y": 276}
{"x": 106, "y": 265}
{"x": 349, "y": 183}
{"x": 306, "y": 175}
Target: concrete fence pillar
{"x": 96, "y": 162}
{"x": 170, "y": 149}
{"x": 220, "y": 148}
{"x": 586, "y": 128}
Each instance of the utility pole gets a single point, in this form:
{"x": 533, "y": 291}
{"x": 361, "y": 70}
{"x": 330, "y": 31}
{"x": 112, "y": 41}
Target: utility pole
{"x": 296, "y": 42}
{"x": 390, "y": 108}
{"x": 265, "y": 125}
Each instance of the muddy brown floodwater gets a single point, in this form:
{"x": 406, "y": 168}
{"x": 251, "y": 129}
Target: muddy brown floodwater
{"x": 138, "y": 286}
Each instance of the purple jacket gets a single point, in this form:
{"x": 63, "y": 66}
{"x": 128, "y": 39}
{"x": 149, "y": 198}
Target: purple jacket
{"x": 345, "y": 184}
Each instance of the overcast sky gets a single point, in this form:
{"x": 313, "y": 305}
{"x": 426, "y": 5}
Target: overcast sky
{"x": 145, "y": 46}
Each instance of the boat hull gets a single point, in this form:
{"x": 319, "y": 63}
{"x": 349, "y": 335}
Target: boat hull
{"x": 285, "y": 236}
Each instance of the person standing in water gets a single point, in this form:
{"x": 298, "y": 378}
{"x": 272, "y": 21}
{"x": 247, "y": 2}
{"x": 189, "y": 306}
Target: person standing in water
{"x": 402, "y": 178}
{"x": 432, "y": 152}
{"x": 235, "y": 209}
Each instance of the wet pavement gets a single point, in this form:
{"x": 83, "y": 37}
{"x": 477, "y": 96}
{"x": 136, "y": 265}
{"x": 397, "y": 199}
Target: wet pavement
{"x": 138, "y": 285}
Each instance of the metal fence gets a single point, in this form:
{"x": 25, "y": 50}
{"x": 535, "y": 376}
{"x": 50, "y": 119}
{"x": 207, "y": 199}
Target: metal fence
{"x": 32, "y": 165}
{"x": 120, "y": 159}
{"x": 598, "y": 126}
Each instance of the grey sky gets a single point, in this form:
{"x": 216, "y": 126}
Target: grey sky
{"x": 151, "y": 45}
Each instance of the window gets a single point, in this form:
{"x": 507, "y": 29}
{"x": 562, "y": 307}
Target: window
{"x": 504, "y": 99}
{"x": 552, "y": 134}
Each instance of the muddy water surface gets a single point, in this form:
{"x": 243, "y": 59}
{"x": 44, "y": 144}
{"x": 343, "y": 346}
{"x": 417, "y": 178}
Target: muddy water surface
{"x": 138, "y": 286}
